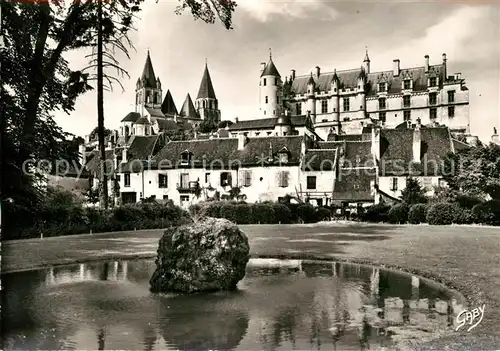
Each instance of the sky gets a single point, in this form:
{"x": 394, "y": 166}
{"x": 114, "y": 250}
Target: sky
{"x": 302, "y": 34}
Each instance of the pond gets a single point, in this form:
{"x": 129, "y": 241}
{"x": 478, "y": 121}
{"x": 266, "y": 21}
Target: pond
{"x": 279, "y": 305}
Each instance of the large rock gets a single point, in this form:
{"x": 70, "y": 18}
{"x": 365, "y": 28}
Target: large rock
{"x": 208, "y": 255}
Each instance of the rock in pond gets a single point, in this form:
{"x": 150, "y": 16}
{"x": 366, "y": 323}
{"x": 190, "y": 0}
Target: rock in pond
{"x": 208, "y": 255}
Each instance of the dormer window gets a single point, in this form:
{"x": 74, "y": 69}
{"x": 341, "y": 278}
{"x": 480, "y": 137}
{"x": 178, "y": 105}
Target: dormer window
{"x": 407, "y": 84}
{"x": 382, "y": 87}
{"x": 283, "y": 155}
{"x": 185, "y": 157}
{"x": 432, "y": 81}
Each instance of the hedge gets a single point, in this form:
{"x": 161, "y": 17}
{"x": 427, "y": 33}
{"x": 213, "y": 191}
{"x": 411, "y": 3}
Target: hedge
{"x": 417, "y": 214}
{"x": 441, "y": 213}
{"x": 487, "y": 212}
{"x": 376, "y": 213}
{"x": 398, "y": 214}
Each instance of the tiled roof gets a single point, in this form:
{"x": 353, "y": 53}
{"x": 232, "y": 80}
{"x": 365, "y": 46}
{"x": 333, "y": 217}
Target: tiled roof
{"x": 354, "y": 185}
{"x": 131, "y": 117}
{"x": 347, "y": 137}
{"x": 148, "y": 75}
{"x": 221, "y": 151}
{"x": 142, "y": 120}
{"x": 154, "y": 112}
{"x": 93, "y": 162}
{"x": 459, "y": 145}
{"x": 356, "y": 154}
{"x": 320, "y": 160}
{"x": 188, "y": 109}
{"x": 266, "y": 123}
{"x": 349, "y": 79}
{"x": 270, "y": 69}
{"x": 141, "y": 147}
{"x": 206, "y": 87}
{"x": 166, "y": 124}
{"x": 396, "y": 151}
{"x": 168, "y": 105}
{"x": 330, "y": 144}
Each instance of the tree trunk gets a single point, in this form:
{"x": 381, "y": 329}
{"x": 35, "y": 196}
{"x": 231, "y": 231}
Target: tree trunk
{"x": 100, "y": 112}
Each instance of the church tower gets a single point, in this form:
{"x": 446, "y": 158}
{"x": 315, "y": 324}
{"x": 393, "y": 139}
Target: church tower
{"x": 270, "y": 90}
{"x": 366, "y": 63}
{"x": 148, "y": 89}
{"x": 206, "y": 103}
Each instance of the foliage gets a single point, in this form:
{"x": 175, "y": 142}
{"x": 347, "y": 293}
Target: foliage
{"x": 208, "y": 126}
{"x": 376, "y": 213}
{"x": 441, "y": 214}
{"x": 413, "y": 193}
{"x": 417, "y": 214}
{"x": 463, "y": 215}
{"x": 208, "y": 11}
{"x": 224, "y": 124}
{"x": 487, "y": 212}
{"x": 93, "y": 133}
{"x": 323, "y": 214}
{"x": 306, "y": 213}
{"x": 92, "y": 196}
{"x": 263, "y": 213}
{"x": 475, "y": 171}
{"x": 398, "y": 213}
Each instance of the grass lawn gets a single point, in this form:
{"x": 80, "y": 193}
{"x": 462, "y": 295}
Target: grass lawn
{"x": 466, "y": 258}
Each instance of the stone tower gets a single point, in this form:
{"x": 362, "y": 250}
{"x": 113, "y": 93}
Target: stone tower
{"x": 270, "y": 91}
{"x": 206, "y": 103}
{"x": 148, "y": 89}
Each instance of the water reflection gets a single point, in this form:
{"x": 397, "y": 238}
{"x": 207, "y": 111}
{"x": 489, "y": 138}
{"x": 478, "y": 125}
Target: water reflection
{"x": 308, "y": 305}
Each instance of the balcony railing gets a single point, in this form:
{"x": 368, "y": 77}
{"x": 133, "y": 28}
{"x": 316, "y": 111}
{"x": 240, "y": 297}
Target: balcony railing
{"x": 188, "y": 186}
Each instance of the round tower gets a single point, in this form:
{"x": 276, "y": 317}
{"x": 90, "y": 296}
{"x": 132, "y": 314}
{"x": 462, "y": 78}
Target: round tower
{"x": 361, "y": 89}
{"x": 283, "y": 125}
{"x": 336, "y": 97}
{"x": 270, "y": 91}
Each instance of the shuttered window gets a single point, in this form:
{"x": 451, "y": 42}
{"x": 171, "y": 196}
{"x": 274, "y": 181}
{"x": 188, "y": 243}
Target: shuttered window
{"x": 283, "y": 179}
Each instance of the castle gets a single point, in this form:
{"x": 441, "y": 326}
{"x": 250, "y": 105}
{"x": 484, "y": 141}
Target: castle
{"x": 348, "y": 138}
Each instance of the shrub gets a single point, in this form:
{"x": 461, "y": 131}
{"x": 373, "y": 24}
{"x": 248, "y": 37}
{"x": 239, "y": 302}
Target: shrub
{"x": 467, "y": 201}
{"x": 398, "y": 214}
{"x": 306, "y": 213}
{"x": 417, "y": 214}
{"x": 413, "y": 193}
{"x": 264, "y": 213}
{"x": 282, "y": 213}
{"x": 323, "y": 213}
{"x": 441, "y": 213}
{"x": 377, "y": 213}
{"x": 487, "y": 212}
{"x": 463, "y": 215}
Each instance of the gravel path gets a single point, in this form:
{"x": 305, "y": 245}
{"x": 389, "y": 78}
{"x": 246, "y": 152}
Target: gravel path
{"x": 466, "y": 258}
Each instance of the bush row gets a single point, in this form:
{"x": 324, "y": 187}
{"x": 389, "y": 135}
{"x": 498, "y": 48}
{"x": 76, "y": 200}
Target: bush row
{"x": 263, "y": 213}
{"x": 441, "y": 213}
{"x": 55, "y": 219}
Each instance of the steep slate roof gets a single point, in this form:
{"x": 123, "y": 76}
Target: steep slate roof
{"x": 320, "y": 160}
{"x": 140, "y": 148}
{"x": 222, "y": 151}
{"x": 93, "y": 163}
{"x": 354, "y": 185}
{"x": 396, "y": 151}
{"x": 168, "y": 105}
{"x": 266, "y": 123}
{"x": 270, "y": 69}
{"x": 188, "y": 110}
{"x": 356, "y": 154}
{"x": 148, "y": 74}
{"x": 154, "y": 112}
{"x": 131, "y": 117}
{"x": 347, "y": 137}
{"x": 206, "y": 88}
{"x": 142, "y": 120}
{"x": 349, "y": 79}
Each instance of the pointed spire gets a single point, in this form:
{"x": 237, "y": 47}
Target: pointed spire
{"x": 148, "y": 75}
{"x": 206, "y": 88}
{"x": 367, "y": 59}
{"x": 168, "y": 105}
{"x": 270, "y": 54}
{"x": 188, "y": 110}
{"x": 270, "y": 69}
{"x": 311, "y": 80}
{"x": 335, "y": 76}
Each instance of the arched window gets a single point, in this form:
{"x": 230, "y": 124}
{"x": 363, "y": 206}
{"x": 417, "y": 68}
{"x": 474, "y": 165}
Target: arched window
{"x": 204, "y": 104}
{"x": 127, "y": 130}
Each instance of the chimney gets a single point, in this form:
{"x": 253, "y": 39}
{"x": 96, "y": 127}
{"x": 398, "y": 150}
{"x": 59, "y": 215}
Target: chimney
{"x": 242, "y": 141}
{"x": 395, "y": 67}
{"x": 417, "y": 142}
{"x": 292, "y": 75}
{"x": 124, "y": 155}
{"x": 175, "y": 118}
{"x": 318, "y": 71}
{"x": 376, "y": 142}
{"x": 495, "y": 138}
{"x": 444, "y": 65}
{"x": 458, "y": 76}
{"x": 262, "y": 67}
{"x": 308, "y": 113}
{"x": 235, "y": 119}
{"x": 426, "y": 63}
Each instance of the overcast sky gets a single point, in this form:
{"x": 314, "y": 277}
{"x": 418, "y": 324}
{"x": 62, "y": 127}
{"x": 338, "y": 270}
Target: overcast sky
{"x": 304, "y": 34}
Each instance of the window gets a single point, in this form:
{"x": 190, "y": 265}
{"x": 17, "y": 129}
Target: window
{"x": 283, "y": 179}
{"x": 257, "y": 133}
{"x": 299, "y": 109}
{"x": 394, "y": 184}
{"x": 433, "y": 113}
{"x": 269, "y": 133}
{"x": 162, "y": 181}
{"x": 153, "y": 197}
{"x": 311, "y": 182}
{"x": 184, "y": 198}
{"x": 275, "y": 81}
{"x": 264, "y": 112}
{"x": 185, "y": 157}
{"x": 118, "y": 178}
{"x": 265, "y": 82}
{"x": 451, "y": 111}
{"x": 346, "y": 104}
{"x": 274, "y": 112}
{"x": 324, "y": 106}
{"x": 427, "y": 183}
{"x": 184, "y": 181}
{"x": 432, "y": 98}
{"x": 451, "y": 96}
{"x": 267, "y": 99}
{"x": 432, "y": 81}
{"x": 382, "y": 117}
{"x": 407, "y": 84}
{"x": 283, "y": 157}
{"x": 407, "y": 115}
{"x": 225, "y": 179}
{"x": 127, "y": 179}
{"x": 319, "y": 202}
{"x": 246, "y": 178}
{"x": 381, "y": 104}
{"x": 406, "y": 101}
{"x": 165, "y": 197}
{"x": 382, "y": 87}
{"x": 207, "y": 178}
